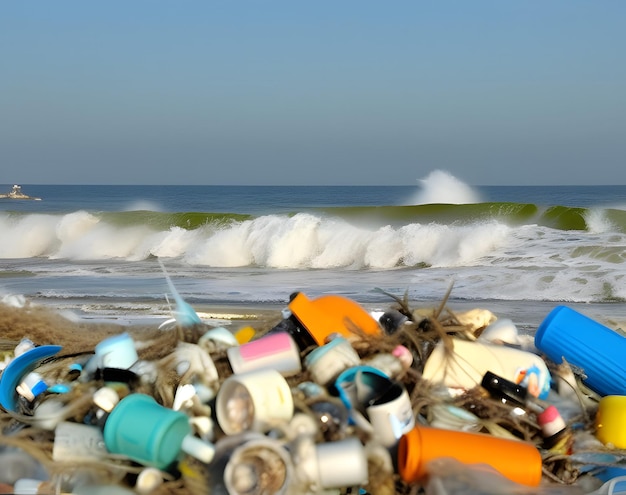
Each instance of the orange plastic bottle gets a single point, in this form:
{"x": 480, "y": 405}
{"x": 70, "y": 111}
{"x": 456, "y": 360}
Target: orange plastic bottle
{"x": 330, "y": 314}
{"x": 516, "y": 460}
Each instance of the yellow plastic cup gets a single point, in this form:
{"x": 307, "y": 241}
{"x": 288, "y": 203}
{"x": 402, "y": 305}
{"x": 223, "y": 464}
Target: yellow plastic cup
{"x": 611, "y": 421}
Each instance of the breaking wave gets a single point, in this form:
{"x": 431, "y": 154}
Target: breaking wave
{"x": 356, "y": 237}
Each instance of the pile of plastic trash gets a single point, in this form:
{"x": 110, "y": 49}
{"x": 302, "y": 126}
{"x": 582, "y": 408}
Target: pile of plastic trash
{"x": 329, "y": 399}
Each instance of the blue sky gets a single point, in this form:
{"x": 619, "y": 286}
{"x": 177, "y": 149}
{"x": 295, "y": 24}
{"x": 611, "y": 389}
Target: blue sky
{"x": 285, "y": 92}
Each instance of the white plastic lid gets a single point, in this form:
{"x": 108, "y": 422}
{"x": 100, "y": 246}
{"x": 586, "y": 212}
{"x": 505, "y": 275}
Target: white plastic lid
{"x": 148, "y": 480}
{"x": 106, "y": 398}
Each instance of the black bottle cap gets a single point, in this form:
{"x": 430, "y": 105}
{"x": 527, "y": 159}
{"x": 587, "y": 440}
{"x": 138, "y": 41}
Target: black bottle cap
{"x": 501, "y": 388}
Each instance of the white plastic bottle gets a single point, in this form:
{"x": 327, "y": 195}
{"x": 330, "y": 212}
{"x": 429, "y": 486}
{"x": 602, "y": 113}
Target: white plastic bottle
{"x": 467, "y": 362}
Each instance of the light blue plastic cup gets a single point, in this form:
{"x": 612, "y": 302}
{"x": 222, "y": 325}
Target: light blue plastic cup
{"x": 146, "y": 432}
{"x": 583, "y": 342}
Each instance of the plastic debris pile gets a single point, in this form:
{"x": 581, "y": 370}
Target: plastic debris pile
{"x": 327, "y": 399}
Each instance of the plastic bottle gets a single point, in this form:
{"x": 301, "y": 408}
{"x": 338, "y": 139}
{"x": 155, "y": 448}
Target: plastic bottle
{"x": 587, "y": 344}
{"x": 467, "y": 363}
{"x": 331, "y": 314}
{"x": 518, "y": 461}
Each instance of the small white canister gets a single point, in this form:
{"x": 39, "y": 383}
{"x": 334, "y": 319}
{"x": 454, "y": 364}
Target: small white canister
{"x": 255, "y": 401}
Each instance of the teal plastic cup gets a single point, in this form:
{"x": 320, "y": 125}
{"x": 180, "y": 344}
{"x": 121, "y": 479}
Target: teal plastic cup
{"x": 594, "y": 348}
{"x": 146, "y": 432}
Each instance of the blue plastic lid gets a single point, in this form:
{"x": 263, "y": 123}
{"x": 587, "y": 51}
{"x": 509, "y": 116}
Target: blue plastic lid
{"x": 19, "y": 367}
{"x": 39, "y": 388}
{"x": 345, "y": 381}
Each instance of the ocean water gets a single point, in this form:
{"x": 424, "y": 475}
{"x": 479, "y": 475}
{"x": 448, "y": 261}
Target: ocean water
{"x": 518, "y": 250}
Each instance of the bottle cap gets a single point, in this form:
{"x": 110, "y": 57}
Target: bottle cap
{"x": 148, "y": 480}
{"x": 326, "y": 362}
{"x": 550, "y": 421}
{"x": 32, "y": 386}
{"x": 506, "y": 390}
{"x": 392, "y": 320}
{"x": 404, "y": 356}
{"x": 106, "y": 398}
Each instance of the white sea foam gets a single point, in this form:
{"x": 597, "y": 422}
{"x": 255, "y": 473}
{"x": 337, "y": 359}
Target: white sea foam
{"x": 597, "y": 221}
{"x": 442, "y": 187}
{"x": 27, "y": 237}
{"x": 486, "y": 260}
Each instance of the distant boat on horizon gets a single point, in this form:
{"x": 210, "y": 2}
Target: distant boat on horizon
{"x": 16, "y": 193}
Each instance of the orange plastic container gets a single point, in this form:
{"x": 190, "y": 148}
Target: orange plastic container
{"x": 516, "y": 460}
{"x": 330, "y": 314}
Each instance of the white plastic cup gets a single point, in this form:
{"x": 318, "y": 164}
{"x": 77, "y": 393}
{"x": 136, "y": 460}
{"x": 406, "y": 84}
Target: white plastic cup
{"x": 276, "y": 351}
{"x": 342, "y": 463}
{"x": 117, "y": 352}
{"x": 254, "y": 401}
{"x": 391, "y": 416}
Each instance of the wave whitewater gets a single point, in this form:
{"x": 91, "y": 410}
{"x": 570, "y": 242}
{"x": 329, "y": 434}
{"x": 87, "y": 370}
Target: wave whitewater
{"x": 355, "y": 237}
